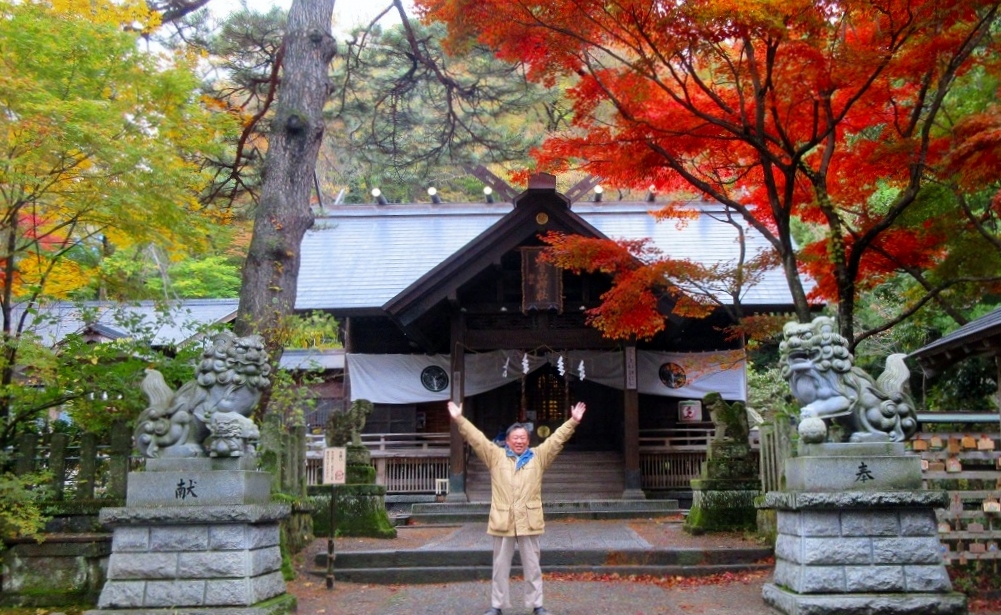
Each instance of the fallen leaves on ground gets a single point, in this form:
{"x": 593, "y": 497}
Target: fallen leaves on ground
{"x": 980, "y": 605}
{"x": 667, "y": 582}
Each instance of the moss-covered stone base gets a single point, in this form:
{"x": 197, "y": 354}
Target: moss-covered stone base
{"x": 360, "y": 474}
{"x": 63, "y": 569}
{"x": 360, "y": 510}
{"x": 721, "y": 510}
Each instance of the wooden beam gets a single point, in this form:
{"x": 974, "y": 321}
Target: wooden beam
{"x": 533, "y": 338}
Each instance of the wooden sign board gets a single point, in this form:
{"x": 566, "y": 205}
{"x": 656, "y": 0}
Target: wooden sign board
{"x": 335, "y": 465}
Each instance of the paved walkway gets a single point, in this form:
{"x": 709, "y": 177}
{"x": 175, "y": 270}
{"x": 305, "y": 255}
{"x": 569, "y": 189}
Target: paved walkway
{"x": 579, "y": 594}
{"x": 582, "y": 536}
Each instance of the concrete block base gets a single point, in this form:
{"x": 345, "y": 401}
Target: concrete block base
{"x": 952, "y": 603}
{"x": 191, "y": 559}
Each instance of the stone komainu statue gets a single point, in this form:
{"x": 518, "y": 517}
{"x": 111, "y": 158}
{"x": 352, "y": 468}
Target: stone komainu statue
{"x": 818, "y": 366}
{"x": 210, "y": 415}
{"x": 345, "y": 427}
{"x": 730, "y": 420}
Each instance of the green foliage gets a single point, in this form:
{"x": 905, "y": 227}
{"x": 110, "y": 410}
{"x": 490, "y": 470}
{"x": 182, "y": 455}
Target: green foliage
{"x": 93, "y": 385}
{"x": 101, "y": 145}
{"x": 101, "y": 381}
{"x": 293, "y": 396}
{"x": 317, "y": 330}
{"x": 400, "y": 125}
{"x": 768, "y": 392}
{"x": 21, "y": 500}
{"x": 129, "y": 275}
{"x": 967, "y": 385}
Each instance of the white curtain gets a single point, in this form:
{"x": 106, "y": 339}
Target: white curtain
{"x": 397, "y": 379}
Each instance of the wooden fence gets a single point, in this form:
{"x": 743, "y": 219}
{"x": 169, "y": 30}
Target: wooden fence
{"x": 80, "y": 469}
{"x": 87, "y": 468}
{"x": 776, "y": 446}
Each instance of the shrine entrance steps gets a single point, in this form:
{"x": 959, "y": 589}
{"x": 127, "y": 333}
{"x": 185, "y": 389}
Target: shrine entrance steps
{"x": 464, "y": 553}
{"x": 579, "y": 485}
{"x": 574, "y": 476}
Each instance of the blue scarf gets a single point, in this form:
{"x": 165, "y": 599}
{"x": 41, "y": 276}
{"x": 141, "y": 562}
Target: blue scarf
{"x": 522, "y": 460}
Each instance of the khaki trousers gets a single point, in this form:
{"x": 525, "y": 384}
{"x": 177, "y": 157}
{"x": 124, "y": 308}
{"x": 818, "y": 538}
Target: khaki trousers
{"x": 528, "y": 547}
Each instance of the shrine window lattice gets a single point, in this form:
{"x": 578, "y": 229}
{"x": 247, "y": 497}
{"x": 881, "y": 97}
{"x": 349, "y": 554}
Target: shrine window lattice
{"x": 547, "y": 396}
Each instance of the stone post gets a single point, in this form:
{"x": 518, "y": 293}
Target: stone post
{"x": 57, "y": 463}
{"x": 88, "y": 467}
{"x": 857, "y": 535}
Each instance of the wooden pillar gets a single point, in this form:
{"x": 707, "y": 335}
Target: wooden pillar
{"x": 348, "y": 348}
{"x": 457, "y": 448}
{"x": 631, "y": 429}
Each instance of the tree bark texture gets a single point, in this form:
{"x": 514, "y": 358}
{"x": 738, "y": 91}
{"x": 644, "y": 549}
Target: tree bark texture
{"x": 267, "y": 295}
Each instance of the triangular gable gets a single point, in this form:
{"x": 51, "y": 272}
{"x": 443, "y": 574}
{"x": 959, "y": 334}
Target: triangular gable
{"x": 524, "y": 222}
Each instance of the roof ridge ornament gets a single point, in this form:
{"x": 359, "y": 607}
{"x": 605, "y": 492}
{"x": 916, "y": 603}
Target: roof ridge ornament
{"x": 542, "y": 181}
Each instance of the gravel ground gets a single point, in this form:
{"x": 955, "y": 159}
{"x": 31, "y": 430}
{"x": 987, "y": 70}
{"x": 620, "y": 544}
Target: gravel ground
{"x": 563, "y": 597}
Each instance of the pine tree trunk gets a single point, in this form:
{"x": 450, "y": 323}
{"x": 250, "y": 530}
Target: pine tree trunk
{"x": 267, "y": 295}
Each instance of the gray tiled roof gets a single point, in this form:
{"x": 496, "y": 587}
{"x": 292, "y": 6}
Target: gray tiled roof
{"x": 963, "y": 341}
{"x": 312, "y": 359}
{"x": 358, "y": 257}
{"x": 55, "y": 321}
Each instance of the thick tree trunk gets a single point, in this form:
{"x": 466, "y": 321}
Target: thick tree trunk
{"x": 267, "y": 296}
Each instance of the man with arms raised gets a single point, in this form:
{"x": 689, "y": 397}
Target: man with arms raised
{"x": 516, "y": 501}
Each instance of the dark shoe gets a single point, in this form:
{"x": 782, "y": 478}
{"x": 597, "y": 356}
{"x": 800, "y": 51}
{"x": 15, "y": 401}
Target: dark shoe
{"x": 493, "y": 611}
{"x": 540, "y": 610}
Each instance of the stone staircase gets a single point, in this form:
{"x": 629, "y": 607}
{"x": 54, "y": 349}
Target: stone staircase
{"x": 574, "y": 476}
{"x": 579, "y": 485}
{"x": 465, "y": 554}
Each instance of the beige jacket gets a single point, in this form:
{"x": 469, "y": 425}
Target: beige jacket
{"x": 516, "y": 496}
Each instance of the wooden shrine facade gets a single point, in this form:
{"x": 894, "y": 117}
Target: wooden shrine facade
{"x": 490, "y": 325}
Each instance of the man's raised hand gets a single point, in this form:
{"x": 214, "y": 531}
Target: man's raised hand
{"x": 577, "y": 412}
{"x": 454, "y": 409}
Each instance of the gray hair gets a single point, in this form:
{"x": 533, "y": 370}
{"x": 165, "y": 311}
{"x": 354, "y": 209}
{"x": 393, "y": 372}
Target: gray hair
{"x": 516, "y": 426}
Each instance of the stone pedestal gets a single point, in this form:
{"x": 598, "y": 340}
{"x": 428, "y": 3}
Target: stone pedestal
{"x": 722, "y": 505}
{"x": 197, "y": 536}
{"x": 857, "y": 535}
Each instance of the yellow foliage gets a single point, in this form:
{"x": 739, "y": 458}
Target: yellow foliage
{"x": 132, "y": 14}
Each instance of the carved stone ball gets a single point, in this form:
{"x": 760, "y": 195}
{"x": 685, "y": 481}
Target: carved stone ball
{"x": 812, "y": 430}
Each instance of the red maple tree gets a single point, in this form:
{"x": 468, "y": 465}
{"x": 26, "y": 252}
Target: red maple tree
{"x": 778, "y": 109}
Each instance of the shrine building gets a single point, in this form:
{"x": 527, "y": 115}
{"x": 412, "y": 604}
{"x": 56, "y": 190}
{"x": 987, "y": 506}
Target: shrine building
{"x": 443, "y": 301}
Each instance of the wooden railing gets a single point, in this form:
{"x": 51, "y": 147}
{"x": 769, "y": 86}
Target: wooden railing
{"x": 670, "y": 458}
{"x": 407, "y": 444}
{"x": 680, "y": 439}
{"x": 415, "y": 462}
{"x": 670, "y": 470}
{"x": 404, "y": 462}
